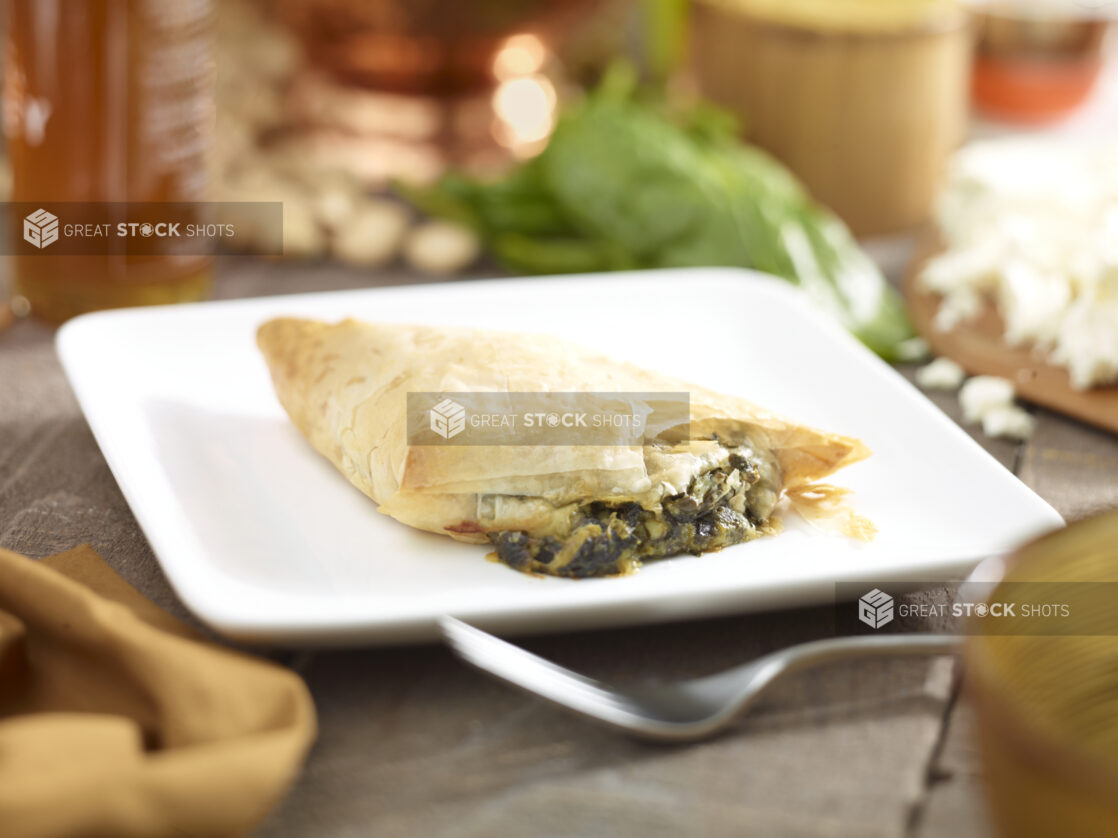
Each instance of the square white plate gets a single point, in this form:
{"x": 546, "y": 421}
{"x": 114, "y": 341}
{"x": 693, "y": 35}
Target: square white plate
{"x": 266, "y": 542}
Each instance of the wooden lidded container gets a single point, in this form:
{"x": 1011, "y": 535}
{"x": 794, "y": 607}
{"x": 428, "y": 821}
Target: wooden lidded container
{"x": 862, "y": 99}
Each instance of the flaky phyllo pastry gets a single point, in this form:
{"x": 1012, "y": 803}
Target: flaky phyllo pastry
{"x": 564, "y": 510}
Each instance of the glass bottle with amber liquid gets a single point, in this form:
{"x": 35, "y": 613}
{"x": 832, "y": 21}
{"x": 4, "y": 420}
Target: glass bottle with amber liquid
{"x": 107, "y": 103}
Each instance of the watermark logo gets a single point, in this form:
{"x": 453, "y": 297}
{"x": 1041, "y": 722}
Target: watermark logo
{"x": 448, "y": 419}
{"x": 140, "y": 228}
{"x": 875, "y": 609}
{"x": 554, "y": 418}
{"x": 973, "y": 607}
{"x": 40, "y": 228}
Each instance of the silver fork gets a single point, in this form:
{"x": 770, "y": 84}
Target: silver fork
{"x": 684, "y": 710}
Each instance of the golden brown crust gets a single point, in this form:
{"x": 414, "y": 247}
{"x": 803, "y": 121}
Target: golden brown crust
{"x": 345, "y": 388}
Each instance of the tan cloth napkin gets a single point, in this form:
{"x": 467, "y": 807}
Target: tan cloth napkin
{"x": 118, "y": 720}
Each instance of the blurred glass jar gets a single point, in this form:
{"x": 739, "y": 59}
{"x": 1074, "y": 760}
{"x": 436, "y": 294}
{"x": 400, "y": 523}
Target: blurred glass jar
{"x": 1044, "y": 684}
{"x": 1036, "y": 60}
{"x": 106, "y": 102}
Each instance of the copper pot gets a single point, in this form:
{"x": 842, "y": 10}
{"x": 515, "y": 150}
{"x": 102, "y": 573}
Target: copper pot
{"x": 416, "y": 46}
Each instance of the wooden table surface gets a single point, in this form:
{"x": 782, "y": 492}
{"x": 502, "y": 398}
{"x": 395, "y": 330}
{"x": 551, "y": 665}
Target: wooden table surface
{"x": 413, "y": 743}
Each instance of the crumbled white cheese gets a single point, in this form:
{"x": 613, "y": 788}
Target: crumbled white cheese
{"x": 913, "y": 350}
{"x": 1008, "y": 422}
{"x": 1033, "y": 225}
{"x": 989, "y": 400}
{"x": 983, "y": 393}
{"x": 974, "y": 266}
{"x": 957, "y": 307}
{"x": 940, "y": 374}
{"x": 1032, "y": 303}
{"x": 1088, "y": 342}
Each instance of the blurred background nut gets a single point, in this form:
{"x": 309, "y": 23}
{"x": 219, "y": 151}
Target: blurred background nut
{"x": 441, "y": 247}
{"x": 302, "y": 235}
{"x": 372, "y": 233}
{"x": 335, "y": 202}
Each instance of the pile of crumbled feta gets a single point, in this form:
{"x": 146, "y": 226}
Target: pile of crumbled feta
{"x": 1034, "y": 225}
{"x": 984, "y": 399}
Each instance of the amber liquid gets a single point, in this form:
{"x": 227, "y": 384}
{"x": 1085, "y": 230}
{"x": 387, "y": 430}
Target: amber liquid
{"x": 108, "y": 101}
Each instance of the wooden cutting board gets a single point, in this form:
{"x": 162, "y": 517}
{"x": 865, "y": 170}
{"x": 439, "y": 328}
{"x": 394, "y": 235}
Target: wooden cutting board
{"x": 977, "y": 345}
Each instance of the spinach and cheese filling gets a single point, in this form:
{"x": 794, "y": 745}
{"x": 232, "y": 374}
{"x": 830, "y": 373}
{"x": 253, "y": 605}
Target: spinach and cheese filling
{"x": 728, "y": 502}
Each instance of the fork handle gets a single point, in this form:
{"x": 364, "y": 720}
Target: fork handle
{"x": 738, "y": 689}
{"x": 764, "y": 671}
{"x": 859, "y": 645}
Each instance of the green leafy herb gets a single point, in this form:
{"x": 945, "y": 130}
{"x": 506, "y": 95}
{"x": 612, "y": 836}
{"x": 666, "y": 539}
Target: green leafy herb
{"x": 622, "y": 184}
